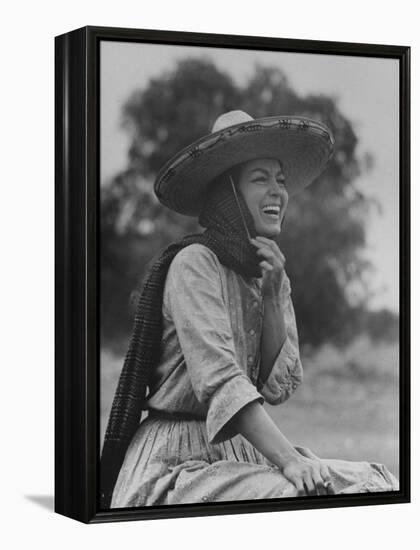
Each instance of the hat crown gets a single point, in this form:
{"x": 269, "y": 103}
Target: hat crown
{"x": 230, "y": 119}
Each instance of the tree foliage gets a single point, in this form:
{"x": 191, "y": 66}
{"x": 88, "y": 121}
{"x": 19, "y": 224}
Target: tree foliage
{"x": 324, "y": 234}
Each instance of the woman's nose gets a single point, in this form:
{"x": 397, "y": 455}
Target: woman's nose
{"x": 274, "y": 187}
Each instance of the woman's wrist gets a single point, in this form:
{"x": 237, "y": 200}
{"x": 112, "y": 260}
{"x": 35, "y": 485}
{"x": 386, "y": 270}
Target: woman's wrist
{"x": 272, "y": 295}
{"x": 285, "y": 456}
{"x": 271, "y": 290}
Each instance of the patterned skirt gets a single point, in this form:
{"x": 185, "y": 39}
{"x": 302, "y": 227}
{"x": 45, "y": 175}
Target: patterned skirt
{"x": 170, "y": 461}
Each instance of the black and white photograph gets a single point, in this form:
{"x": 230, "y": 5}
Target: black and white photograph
{"x": 209, "y": 265}
{"x": 249, "y": 275}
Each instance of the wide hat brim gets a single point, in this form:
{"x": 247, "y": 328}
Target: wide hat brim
{"x": 302, "y": 145}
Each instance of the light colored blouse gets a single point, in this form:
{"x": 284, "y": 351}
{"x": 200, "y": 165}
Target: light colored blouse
{"x": 212, "y": 325}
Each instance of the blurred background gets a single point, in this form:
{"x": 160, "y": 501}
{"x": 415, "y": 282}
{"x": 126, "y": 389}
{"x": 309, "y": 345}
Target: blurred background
{"x": 340, "y": 237}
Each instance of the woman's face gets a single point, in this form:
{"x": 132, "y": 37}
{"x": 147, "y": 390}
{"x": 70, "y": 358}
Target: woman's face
{"x": 262, "y": 185}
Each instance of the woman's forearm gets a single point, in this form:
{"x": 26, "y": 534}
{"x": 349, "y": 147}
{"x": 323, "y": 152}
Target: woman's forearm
{"x": 253, "y": 423}
{"x": 273, "y": 335}
{"x": 308, "y": 474}
{"x": 274, "y": 330}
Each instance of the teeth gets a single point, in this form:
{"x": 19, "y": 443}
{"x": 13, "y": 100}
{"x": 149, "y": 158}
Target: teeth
{"x": 274, "y": 209}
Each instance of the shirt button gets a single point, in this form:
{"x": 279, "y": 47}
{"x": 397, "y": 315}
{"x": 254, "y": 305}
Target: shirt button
{"x": 250, "y": 359}
{"x": 252, "y": 332}
{"x": 255, "y": 303}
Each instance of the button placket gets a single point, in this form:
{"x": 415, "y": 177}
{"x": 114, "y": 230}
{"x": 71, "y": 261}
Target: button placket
{"x": 256, "y": 366}
{"x": 253, "y": 341}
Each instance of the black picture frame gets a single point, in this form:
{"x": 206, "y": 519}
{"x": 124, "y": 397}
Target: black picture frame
{"x": 77, "y": 241}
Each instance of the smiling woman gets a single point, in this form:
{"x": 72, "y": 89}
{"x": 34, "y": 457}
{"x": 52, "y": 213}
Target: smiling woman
{"x": 215, "y": 334}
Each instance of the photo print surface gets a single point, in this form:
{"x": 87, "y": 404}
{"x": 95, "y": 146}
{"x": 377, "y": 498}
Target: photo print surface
{"x": 249, "y": 274}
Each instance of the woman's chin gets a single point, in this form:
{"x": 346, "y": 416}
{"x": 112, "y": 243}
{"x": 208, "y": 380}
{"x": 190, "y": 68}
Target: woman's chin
{"x": 270, "y": 232}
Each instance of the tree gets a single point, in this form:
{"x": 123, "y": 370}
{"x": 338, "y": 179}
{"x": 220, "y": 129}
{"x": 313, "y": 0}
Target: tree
{"x": 325, "y": 226}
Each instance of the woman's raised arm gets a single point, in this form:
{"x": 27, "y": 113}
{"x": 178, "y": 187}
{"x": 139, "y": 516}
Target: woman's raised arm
{"x": 281, "y": 369}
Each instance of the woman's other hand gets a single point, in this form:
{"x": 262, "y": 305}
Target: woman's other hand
{"x": 309, "y": 474}
{"x": 272, "y": 265}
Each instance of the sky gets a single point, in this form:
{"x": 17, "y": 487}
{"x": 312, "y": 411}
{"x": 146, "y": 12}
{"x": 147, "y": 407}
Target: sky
{"x": 367, "y": 93}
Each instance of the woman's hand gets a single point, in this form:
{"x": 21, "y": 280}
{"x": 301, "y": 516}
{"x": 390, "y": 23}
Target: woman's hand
{"x": 272, "y": 265}
{"x": 308, "y": 474}
{"x": 299, "y": 465}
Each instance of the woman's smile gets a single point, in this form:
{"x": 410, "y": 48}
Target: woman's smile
{"x": 272, "y": 211}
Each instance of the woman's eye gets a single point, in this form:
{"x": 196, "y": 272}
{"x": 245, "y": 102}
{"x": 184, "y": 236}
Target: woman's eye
{"x": 262, "y": 180}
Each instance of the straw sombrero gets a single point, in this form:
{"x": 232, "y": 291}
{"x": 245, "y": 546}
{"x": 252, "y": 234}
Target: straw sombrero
{"x": 303, "y": 146}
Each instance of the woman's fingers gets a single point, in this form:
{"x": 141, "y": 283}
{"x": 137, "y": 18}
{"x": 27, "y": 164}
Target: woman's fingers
{"x": 309, "y": 484}
{"x": 330, "y": 488}
{"x": 266, "y": 265}
{"x": 325, "y": 473}
{"x": 272, "y": 245}
{"x": 299, "y": 486}
{"x": 312, "y": 475}
{"x": 326, "y": 477}
{"x": 316, "y": 484}
{"x": 269, "y": 254}
{"x": 260, "y": 245}
{"x": 321, "y": 489}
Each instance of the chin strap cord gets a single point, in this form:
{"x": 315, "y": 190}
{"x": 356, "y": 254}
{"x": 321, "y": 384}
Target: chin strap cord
{"x": 240, "y": 209}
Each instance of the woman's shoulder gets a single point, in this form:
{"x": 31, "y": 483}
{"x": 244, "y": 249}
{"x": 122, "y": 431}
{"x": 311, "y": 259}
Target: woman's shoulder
{"x": 194, "y": 257}
{"x": 195, "y": 268}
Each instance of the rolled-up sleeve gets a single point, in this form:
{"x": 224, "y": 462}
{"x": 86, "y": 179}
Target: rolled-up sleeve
{"x": 198, "y": 309}
{"x": 287, "y": 372}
